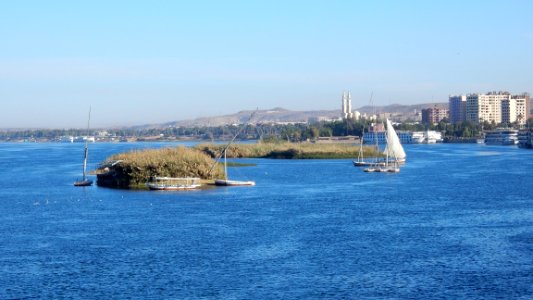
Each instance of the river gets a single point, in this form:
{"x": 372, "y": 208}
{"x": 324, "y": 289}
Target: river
{"x": 456, "y": 222}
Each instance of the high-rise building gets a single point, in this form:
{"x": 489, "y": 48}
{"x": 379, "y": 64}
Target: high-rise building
{"x": 434, "y": 115}
{"x": 485, "y": 107}
{"x": 497, "y": 107}
{"x": 508, "y": 111}
{"x": 522, "y": 108}
{"x": 457, "y": 108}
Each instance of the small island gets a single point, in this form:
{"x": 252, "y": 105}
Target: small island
{"x": 131, "y": 170}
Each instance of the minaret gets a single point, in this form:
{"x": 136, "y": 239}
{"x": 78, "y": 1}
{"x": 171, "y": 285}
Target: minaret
{"x": 349, "y": 112}
{"x": 344, "y": 105}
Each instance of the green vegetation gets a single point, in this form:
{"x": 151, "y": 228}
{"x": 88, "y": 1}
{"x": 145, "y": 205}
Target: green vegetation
{"x": 263, "y": 132}
{"x": 136, "y": 167}
{"x": 286, "y": 150}
{"x": 299, "y": 132}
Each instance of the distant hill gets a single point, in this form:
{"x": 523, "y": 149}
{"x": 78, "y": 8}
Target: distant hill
{"x": 399, "y": 108}
{"x": 262, "y": 116}
{"x": 284, "y": 115}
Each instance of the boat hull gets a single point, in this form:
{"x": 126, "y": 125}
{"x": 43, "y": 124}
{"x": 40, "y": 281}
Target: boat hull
{"x": 173, "y": 183}
{"x": 367, "y": 164}
{"x": 223, "y": 182}
{"x": 87, "y": 182}
{"x": 156, "y": 187}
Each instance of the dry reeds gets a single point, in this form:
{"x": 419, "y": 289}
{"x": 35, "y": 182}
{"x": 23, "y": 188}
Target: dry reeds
{"x": 136, "y": 167}
{"x": 288, "y": 150}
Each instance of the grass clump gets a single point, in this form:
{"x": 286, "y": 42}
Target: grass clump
{"x": 136, "y": 167}
{"x": 286, "y": 150}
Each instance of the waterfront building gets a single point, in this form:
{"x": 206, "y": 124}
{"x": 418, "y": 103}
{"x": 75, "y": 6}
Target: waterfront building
{"x": 497, "y": 107}
{"x": 434, "y": 115}
{"x": 66, "y": 139}
{"x": 457, "y": 108}
{"x": 83, "y": 139}
{"x": 320, "y": 119}
{"x": 485, "y": 107}
{"x": 508, "y": 111}
{"x": 522, "y": 108}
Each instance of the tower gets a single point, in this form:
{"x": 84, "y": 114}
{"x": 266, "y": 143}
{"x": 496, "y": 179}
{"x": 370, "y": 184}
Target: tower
{"x": 349, "y": 111}
{"x": 344, "y": 105}
{"x": 347, "y": 105}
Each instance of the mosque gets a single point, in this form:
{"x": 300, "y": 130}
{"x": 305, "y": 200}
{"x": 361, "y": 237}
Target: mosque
{"x": 347, "y": 107}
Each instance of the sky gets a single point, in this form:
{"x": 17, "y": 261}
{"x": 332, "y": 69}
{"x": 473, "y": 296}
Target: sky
{"x": 140, "y": 62}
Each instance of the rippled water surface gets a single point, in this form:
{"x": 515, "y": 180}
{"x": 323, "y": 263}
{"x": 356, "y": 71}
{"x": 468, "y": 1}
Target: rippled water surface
{"x": 456, "y": 222}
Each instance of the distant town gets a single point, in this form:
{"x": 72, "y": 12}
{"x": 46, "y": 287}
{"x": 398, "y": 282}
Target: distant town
{"x": 465, "y": 118}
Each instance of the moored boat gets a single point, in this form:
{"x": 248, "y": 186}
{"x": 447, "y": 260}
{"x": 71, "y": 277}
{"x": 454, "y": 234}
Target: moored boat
{"x": 394, "y": 153}
{"x": 501, "y": 136}
{"x": 226, "y": 182}
{"x": 173, "y": 183}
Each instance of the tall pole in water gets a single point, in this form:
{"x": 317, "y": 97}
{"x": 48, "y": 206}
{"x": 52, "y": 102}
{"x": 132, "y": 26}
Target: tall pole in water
{"x": 225, "y": 165}
{"x": 86, "y": 152}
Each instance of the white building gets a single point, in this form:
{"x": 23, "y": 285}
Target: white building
{"x": 485, "y": 107}
{"x": 522, "y": 108}
{"x": 508, "y": 111}
{"x": 497, "y": 107}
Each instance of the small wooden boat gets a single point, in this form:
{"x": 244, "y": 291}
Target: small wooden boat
{"x": 369, "y": 170}
{"x": 173, "y": 183}
{"x": 86, "y": 182}
{"x": 367, "y": 163}
{"x": 226, "y": 182}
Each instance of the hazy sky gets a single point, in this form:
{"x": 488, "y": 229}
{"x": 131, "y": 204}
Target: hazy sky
{"x": 138, "y": 62}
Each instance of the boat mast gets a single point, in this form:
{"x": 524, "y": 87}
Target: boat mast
{"x": 225, "y": 166}
{"x": 360, "y": 156}
{"x": 387, "y": 145}
{"x": 230, "y": 142}
{"x": 86, "y": 152}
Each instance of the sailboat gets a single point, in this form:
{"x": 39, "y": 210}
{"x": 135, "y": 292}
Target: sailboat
{"x": 360, "y": 162}
{"x": 85, "y": 181}
{"x": 394, "y": 153}
{"x": 394, "y": 148}
{"x": 226, "y": 181}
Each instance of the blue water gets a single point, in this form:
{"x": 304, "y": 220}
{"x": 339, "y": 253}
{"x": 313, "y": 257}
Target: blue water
{"x": 456, "y": 222}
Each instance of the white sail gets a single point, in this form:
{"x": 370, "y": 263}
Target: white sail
{"x": 394, "y": 148}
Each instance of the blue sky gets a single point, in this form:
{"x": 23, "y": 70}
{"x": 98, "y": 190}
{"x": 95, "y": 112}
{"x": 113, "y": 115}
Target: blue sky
{"x": 138, "y": 62}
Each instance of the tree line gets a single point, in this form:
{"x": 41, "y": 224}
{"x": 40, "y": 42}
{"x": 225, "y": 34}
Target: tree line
{"x": 288, "y": 132}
